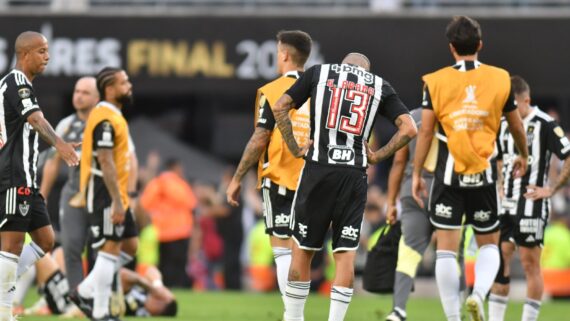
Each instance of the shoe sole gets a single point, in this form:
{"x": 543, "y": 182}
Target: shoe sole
{"x": 473, "y": 309}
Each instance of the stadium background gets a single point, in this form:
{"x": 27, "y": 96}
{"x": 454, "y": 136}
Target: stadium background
{"x": 195, "y": 65}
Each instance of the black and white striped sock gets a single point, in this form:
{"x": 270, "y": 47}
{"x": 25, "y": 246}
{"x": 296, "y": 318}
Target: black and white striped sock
{"x": 340, "y": 299}
{"x": 296, "y": 293}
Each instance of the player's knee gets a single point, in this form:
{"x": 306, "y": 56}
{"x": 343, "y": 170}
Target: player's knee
{"x": 46, "y": 244}
{"x": 530, "y": 264}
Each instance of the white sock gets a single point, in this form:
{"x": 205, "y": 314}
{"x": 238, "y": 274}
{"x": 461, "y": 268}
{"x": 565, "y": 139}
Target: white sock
{"x": 447, "y": 278}
{"x": 102, "y": 279}
{"x": 486, "y": 268}
{"x": 497, "y": 307}
{"x": 282, "y": 257}
{"x": 23, "y": 284}
{"x": 31, "y": 253}
{"x": 531, "y": 309}
{"x": 340, "y": 299}
{"x": 8, "y": 276}
{"x": 296, "y": 294}
{"x": 124, "y": 259}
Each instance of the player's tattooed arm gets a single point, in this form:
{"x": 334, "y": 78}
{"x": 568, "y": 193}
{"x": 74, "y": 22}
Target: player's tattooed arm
{"x": 563, "y": 176}
{"x": 406, "y": 132}
{"x": 281, "y": 113}
{"x": 252, "y": 152}
{"x": 48, "y": 134}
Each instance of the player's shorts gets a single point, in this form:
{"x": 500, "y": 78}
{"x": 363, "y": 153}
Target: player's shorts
{"x": 447, "y": 206}
{"x": 103, "y": 229}
{"x": 22, "y": 209}
{"x": 277, "y": 201}
{"x": 329, "y": 195}
{"x": 522, "y": 230}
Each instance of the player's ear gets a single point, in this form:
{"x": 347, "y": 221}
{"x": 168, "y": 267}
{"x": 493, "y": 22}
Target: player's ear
{"x": 480, "y": 45}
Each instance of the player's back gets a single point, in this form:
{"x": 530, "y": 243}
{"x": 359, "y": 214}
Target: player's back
{"x": 345, "y": 100}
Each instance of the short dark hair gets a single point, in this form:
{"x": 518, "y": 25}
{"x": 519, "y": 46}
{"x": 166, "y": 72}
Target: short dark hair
{"x": 298, "y": 40}
{"x": 171, "y": 163}
{"x": 519, "y": 86}
{"x": 106, "y": 78}
{"x": 464, "y": 34}
{"x": 170, "y": 310}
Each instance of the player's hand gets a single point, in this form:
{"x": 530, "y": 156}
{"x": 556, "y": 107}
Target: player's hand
{"x": 303, "y": 149}
{"x": 391, "y": 214}
{"x": 67, "y": 153}
{"x": 117, "y": 212}
{"x": 534, "y": 192}
{"x": 419, "y": 189}
{"x": 372, "y": 159}
{"x": 520, "y": 165}
{"x": 233, "y": 191}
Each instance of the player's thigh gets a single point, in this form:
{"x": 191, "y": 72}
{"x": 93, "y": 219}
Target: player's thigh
{"x": 416, "y": 227}
{"x": 446, "y": 207}
{"x": 349, "y": 208}
{"x": 481, "y": 210}
{"x": 40, "y": 228}
{"x": 277, "y": 213}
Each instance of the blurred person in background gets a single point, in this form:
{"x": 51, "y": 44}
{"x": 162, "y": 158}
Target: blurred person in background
{"x": 278, "y": 169}
{"x": 23, "y": 208}
{"x": 526, "y": 200}
{"x": 170, "y": 202}
{"x": 74, "y": 221}
{"x": 104, "y": 189}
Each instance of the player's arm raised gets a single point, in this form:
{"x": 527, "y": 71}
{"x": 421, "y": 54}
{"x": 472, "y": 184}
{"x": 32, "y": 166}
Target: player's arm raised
{"x": 48, "y": 134}
{"x": 281, "y": 113}
{"x": 516, "y": 128}
{"x": 406, "y": 132}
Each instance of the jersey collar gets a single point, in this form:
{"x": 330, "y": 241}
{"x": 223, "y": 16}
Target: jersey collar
{"x": 23, "y": 74}
{"x": 292, "y": 73}
{"x": 531, "y": 115}
{"x": 110, "y": 106}
{"x": 466, "y": 65}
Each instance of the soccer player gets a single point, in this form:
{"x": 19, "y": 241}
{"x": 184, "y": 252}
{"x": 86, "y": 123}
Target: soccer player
{"x": 278, "y": 169}
{"x": 526, "y": 204}
{"x": 345, "y": 100}
{"x": 416, "y": 228}
{"x": 466, "y": 101}
{"x": 74, "y": 221}
{"x": 104, "y": 179}
{"x": 22, "y": 208}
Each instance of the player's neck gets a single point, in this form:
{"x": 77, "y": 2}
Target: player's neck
{"x": 459, "y": 58}
{"x": 525, "y": 111}
{"x": 83, "y": 114}
{"x": 116, "y": 104}
{"x": 292, "y": 67}
{"x": 28, "y": 74}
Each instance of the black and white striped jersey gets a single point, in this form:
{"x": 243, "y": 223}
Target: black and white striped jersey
{"x": 544, "y": 138}
{"x": 345, "y": 101}
{"x": 19, "y": 154}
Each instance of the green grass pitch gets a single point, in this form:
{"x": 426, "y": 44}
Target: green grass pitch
{"x": 244, "y": 306}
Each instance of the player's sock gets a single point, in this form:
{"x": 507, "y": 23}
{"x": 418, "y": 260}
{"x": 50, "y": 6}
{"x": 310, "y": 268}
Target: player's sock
{"x": 102, "y": 279}
{"x": 531, "y": 309}
{"x": 8, "y": 276}
{"x": 282, "y": 257}
{"x": 447, "y": 278}
{"x": 23, "y": 284}
{"x": 296, "y": 294}
{"x": 124, "y": 259}
{"x": 340, "y": 299}
{"x": 402, "y": 288}
{"x": 497, "y": 307}
{"x": 486, "y": 268}
{"x": 31, "y": 253}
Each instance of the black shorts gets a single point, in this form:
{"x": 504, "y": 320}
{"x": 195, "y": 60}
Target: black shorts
{"x": 103, "y": 229}
{"x": 522, "y": 230}
{"x": 326, "y": 195}
{"x": 448, "y": 204}
{"x": 277, "y": 201}
{"x": 22, "y": 209}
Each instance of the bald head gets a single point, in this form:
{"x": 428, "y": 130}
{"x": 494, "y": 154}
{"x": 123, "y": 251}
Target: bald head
{"x": 357, "y": 59}
{"x": 28, "y": 40}
{"x": 85, "y": 95}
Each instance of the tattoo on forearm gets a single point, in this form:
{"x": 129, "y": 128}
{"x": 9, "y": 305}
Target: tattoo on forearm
{"x": 564, "y": 175}
{"x": 397, "y": 142}
{"x": 285, "y": 126}
{"x": 252, "y": 152}
{"x": 45, "y": 131}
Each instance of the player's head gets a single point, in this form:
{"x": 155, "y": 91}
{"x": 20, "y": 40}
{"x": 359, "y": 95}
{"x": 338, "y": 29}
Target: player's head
{"x": 32, "y": 52}
{"x": 160, "y": 307}
{"x": 293, "y": 47}
{"x": 464, "y": 36}
{"x": 521, "y": 91}
{"x": 114, "y": 86}
{"x": 357, "y": 59}
{"x": 174, "y": 165}
{"x": 85, "y": 94}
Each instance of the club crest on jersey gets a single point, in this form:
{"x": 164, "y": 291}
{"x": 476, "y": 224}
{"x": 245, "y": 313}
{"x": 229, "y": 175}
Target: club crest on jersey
{"x": 24, "y": 93}
{"x": 559, "y": 131}
{"x": 341, "y": 154}
{"x": 24, "y": 208}
{"x": 530, "y": 135}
